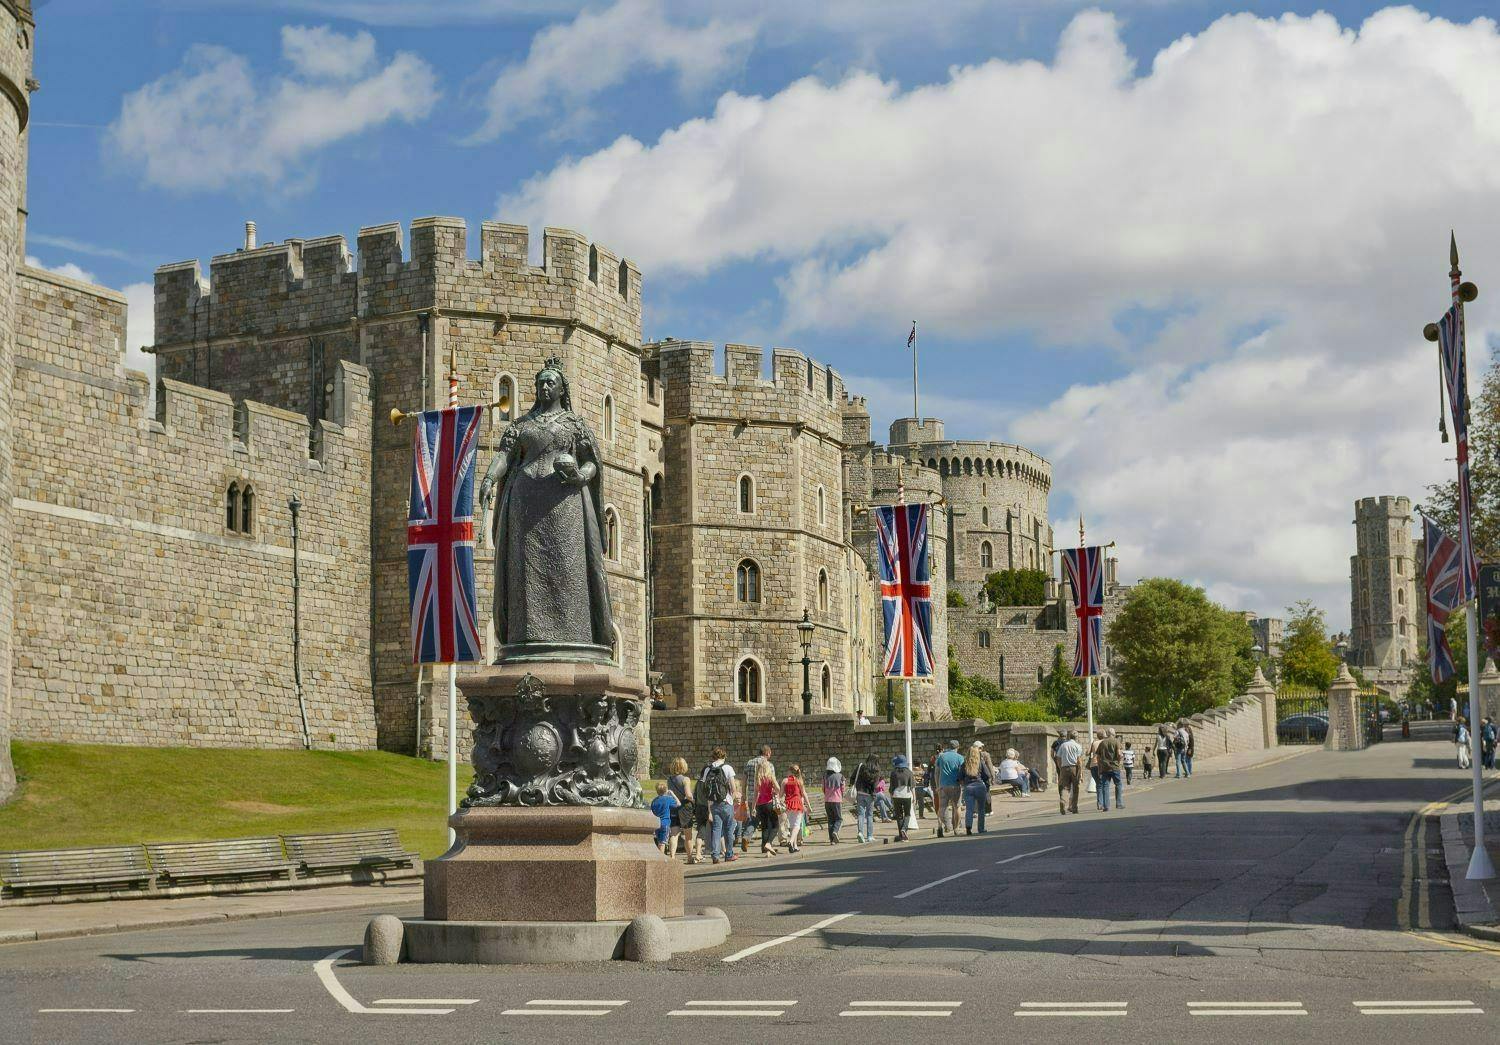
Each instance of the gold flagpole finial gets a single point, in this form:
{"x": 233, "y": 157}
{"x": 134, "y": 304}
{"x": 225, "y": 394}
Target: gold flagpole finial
{"x": 1453, "y": 249}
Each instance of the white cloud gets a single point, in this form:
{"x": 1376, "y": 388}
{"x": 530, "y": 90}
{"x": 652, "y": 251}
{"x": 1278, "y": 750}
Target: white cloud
{"x": 1268, "y": 186}
{"x": 318, "y": 52}
{"x": 67, "y": 268}
{"x": 212, "y": 124}
{"x": 569, "y": 63}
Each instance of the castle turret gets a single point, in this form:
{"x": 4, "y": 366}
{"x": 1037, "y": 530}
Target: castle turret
{"x": 17, "y": 27}
{"x": 1382, "y": 585}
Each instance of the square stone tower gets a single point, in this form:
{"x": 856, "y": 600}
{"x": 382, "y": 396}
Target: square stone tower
{"x": 275, "y": 319}
{"x": 1383, "y": 613}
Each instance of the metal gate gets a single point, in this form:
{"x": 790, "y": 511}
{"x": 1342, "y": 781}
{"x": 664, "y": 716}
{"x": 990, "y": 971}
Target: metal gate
{"x": 1301, "y": 715}
{"x": 1369, "y": 714}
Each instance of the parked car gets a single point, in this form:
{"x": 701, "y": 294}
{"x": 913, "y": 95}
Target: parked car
{"x": 1304, "y": 726}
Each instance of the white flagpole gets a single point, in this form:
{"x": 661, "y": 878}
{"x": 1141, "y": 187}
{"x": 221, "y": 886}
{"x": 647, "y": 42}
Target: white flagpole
{"x": 911, "y": 812}
{"x": 452, "y": 746}
{"x": 916, "y": 411}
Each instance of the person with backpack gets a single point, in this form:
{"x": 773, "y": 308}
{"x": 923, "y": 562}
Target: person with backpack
{"x": 715, "y": 789}
{"x": 1179, "y": 748}
{"x": 903, "y": 789}
{"x": 1487, "y": 738}
{"x": 1461, "y": 738}
{"x": 683, "y": 827}
{"x": 865, "y": 779}
{"x": 833, "y": 798}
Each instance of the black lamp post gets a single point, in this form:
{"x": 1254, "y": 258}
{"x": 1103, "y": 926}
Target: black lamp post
{"x": 805, "y": 633}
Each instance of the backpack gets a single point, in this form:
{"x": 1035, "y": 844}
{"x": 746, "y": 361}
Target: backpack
{"x": 712, "y": 787}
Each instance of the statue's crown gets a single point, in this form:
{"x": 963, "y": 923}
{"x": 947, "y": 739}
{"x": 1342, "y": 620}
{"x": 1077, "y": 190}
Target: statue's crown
{"x": 553, "y": 363}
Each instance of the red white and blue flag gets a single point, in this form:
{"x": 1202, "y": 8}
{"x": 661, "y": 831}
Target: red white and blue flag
{"x": 905, "y": 589}
{"x": 440, "y": 538}
{"x": 1456, "y": 384}
{"x": 1442, "y": 576}
{"x": 1085, "y": 568}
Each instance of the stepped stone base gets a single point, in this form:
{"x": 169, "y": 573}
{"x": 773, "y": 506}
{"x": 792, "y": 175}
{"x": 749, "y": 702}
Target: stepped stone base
{"x": 543, "y": 943}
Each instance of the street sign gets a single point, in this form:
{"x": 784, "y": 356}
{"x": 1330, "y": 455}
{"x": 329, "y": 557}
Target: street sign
{"x": 1489, "y": 610}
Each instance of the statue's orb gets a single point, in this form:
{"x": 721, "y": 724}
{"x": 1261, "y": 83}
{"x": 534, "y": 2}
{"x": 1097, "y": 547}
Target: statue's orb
{"x": 539, "y": 750}
{"x": 628, "y": 753}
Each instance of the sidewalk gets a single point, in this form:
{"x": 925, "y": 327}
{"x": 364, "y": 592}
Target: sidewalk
{"x": 1038, "y": 803}
{"x": 56, "y": 921}
{"x": 1475, "y": 903}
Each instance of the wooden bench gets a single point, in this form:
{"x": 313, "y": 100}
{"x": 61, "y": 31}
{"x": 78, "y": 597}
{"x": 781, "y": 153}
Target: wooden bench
{"x": 60, "y": 871}
{"x": 347, "y": 851}
{"x": 225, "y": 858}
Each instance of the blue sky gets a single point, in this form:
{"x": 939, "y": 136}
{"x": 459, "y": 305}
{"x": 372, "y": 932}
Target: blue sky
{"x": 1178, "y": 248}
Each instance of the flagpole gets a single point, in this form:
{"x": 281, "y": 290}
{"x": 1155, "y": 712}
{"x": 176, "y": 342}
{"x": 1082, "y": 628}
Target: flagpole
{"x": 1088, "y": 680}
{"x": 452, "y": 667}
{"x": 915, "y": 410}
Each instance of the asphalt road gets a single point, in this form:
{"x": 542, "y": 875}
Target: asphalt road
{"x": 1299, "y": 901}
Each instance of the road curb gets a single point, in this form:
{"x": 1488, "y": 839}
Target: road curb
{"x": 1471, "y": 904}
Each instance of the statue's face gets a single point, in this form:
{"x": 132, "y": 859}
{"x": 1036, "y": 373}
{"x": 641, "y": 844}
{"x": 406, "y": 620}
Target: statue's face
{"x": 548, "y": 383}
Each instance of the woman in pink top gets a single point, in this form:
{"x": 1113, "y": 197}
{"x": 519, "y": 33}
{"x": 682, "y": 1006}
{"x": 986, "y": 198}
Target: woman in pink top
{"x": 765, "y": 807}
{"x": 796, "y": 807}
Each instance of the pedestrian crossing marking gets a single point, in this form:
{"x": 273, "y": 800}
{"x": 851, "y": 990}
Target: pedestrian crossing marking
{"x": 565, "y": 1007}
{"x": 733, "y": 1008}
{"x": 1246, "y": 1008}
{"x": 901, "y": 1008}
{"x": 1418, "y": 1008}
{"x": 1072, "y": 1008}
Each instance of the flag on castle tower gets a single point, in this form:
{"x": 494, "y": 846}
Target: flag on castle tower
{"x": 440, "y": 538}
{"x": 1085, "y": 568}
{"x": 1442, "y": 576}
{"x": 905, "y": 589}
{"x": 1456, "y": 383}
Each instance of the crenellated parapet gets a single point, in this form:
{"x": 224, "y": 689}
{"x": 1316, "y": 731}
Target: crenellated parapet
{"x": 800, "y": 391}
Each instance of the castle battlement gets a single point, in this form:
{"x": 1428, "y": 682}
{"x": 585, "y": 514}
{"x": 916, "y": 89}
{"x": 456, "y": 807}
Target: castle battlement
{"x": 800, "y": 390}
{"x": 1387, "y": 504}
{"x": 299, "y": 283}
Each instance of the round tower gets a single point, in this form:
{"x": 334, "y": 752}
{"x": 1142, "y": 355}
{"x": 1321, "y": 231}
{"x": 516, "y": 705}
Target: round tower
{"x": 17, "y": 28}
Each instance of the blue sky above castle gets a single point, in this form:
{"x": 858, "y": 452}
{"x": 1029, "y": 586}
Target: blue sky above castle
{"x": 1180, "y": 253}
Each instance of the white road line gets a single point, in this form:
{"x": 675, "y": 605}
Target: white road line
{"x": 1362, "y": 1004}
{"x": 933, "y": 885}
{"x": 744, "y": 1002}
{"x": 905, "y": 1004}
{"x": 727, "y": 1012}
{"x": 426, "y": 1001}
{"x": 556, "y": 1012}
{"x": 1247, "y": 1012}
{"x": 1070, "y": 1012}
{"x": 255, "y": 1011}
{"x": 572, "y": 1001}
{"x": 324, "y": 969}
{"x": 565, "y": 1007}
{"x": 1426, "y": 1010}
{"x": 1073, "y": 1004}
{"x": 85, "y": 1010}
{"x": 897, "y": 1012}
{"x": 1245, "y": 1004}
{"x": 825, "y": 923}
{"x": 1022, "y": 856}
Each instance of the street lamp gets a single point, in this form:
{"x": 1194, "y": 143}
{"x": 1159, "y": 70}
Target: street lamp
{"x": 805, "y": 634}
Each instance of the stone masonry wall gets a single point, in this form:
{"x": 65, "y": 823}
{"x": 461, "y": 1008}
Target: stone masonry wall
{"x": 142, "y": 617}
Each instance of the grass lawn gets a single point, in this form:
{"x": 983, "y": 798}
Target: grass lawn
{"x": 94, "y": 794}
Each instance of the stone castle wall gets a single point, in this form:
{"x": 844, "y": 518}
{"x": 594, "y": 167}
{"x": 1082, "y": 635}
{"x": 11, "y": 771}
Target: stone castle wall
{"x": 784, "y": 435}
{"x": 1385, "y": 618}
{"x": 142, "y": 617}
{"x": 283, "y": 314}
{"x": 16, "y": 37}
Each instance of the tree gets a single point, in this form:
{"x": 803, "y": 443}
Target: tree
{"x": 956, "y": 599}
{"x": 1422, "y": 690}
{"x": 1177, "y": 653}
{"x": 1484, "y": 473}
{"x": 1307, "y": 656}
{"x": 1060, "y": 692}
{"x": 1016, "y": 587}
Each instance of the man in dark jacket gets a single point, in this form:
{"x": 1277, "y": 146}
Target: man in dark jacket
{"x": 903, "y": 788}
{"x": 1111, "y": 759}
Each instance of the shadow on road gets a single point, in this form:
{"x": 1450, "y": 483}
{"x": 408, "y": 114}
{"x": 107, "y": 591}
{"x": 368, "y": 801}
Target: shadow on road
{"x": 274, "y": 954}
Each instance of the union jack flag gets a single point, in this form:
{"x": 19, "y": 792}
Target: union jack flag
{"x": 1456, "y": 382}
{"x": 905, "y": 590}
{"x": 440, "y": 537}
{"x": 1443, "y": 578}
{"x": 1085, "y": 568}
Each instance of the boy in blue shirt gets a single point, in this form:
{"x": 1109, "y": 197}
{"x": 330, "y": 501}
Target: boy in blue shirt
{"x": 663, "y": 806}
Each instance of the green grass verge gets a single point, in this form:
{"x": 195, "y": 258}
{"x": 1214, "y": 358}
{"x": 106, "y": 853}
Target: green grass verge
{"x": 92, "y": 794}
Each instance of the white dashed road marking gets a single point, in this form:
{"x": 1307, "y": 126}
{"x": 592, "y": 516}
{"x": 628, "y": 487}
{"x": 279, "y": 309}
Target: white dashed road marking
{"x": 933, "y": 885}
{"x": 256, "y": 1012}
{"x": 1417, "y": 1008}
{"x": 426, "y": 1001}
{"x": 825, "y": 923}
{"x": 1072, "y": 1008}
{"x": 324, "y": 969}
{"x": 1246, "y": 1008}
{"x": 85, "y": 1010}
{"x": 733, "y": 1008}
{"x": 560, "y": 1007}
{"x": 901, "y": 1008}
{"x": 1022, "y": 856}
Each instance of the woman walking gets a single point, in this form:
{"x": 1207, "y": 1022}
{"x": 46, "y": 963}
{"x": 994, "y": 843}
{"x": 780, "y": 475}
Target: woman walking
{"x": 1163, "y": 751}
{"x": 684, "y": 823}
{"x": 833, "y": 798}
{"x": 903, "y": 789}
{"x": 766, "y": 793}
{"x": 865, "y": 779}
{"x": 796, "y": 807}
{"x": 974, "y": 782}
{"x": 1461, "y": 738}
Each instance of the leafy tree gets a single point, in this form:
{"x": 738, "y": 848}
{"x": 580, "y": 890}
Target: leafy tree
{"x": 1061, "y": 693}
{"x": 1307, "y": 656}
{"x": 1422, "y": 690}
{"x": 1177, "y": 653}
{"x": 1441, "y": 504}
{"x": 956, "y": 599}
{"x": 1016, "y": 587}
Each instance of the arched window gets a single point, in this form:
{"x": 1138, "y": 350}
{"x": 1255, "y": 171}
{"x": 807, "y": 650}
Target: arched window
{"x": 247, "y": 509}
{"x": 986, "y": 555}
{"x": 624, "y": 283}
{"x": 611, "y": 534}
{"x": 984, "y": 516}
{"x": 1002, "y": 671}
{"x": 1039, "y": 675}
{"x": 615, "y": 646}
{"x": 809, "y": 375}
{"x": 827, "y": 687}
{"x": 593, "y": 264}
{"x": 932, "y": 463}
{"x": 984, "y": 489}
{"x": 943, "y": 468}
{"x": 1402, "y": 626}
{"x": 823, "y": 591}
{"x": 1403, "y": 658}
{"x": 968, "y": 466}
{"x": 609, "y": 419}
{"x": 828, "y": 380}
{"x": 1400, "y": 597}
{"x": 656, "y": 494}
{"x": 505, "y": 388}
{"x": 984, "y": 640}
{"x": 822, "y": 507}
{"x": 747, "y": 495}
{"x": 232, "y": 508}
{"x": 747, "y": 683}
{"x": 747, "y": 581}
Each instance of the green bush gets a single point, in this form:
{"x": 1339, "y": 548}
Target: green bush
{"x": 966, "y": 706}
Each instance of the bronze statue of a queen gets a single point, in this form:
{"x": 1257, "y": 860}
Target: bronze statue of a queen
{"x": 551, "y": 595}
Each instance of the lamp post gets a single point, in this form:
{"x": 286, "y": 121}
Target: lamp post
{"x": 295, "y": 507}
{"x": 805, "y": 634}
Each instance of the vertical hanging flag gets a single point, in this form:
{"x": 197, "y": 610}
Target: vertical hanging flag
{"x": 1456, "y": 382}
{"x": 1442, "y": 576}
{"x": 440, "y": 537}
{"x": 1085, "y": 568}
{"x": 905, "y": 590}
